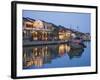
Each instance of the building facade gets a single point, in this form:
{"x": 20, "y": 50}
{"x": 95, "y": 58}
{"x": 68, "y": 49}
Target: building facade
{"x": 38, "y": 30}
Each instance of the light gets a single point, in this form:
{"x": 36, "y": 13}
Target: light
{"x": 38, "y": 24}
{"x": 61, "y": 37}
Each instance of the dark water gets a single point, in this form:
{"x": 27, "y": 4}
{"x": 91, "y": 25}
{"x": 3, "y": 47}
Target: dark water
{"x": 56, "y": 56}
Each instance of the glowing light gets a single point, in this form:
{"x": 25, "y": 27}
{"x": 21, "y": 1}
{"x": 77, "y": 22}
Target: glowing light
{"x": 61, "y": 49}
{"x": 38, "y": 24}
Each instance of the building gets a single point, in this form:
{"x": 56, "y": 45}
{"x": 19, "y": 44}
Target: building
{"x": 39, "y": 30}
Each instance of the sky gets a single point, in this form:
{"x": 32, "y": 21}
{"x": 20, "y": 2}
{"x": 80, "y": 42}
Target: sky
{"x": 77, "y": 21}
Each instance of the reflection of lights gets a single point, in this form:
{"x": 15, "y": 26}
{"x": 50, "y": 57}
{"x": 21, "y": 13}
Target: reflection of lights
{"x": 29, "y": 63}
{"x": 36, "y": 53}
{"x": 42, "y": 51}
{"x": 67, "y": 48}
{"x": 46, "y": 47}
{"x": 39, "y": 54}
{"x": 45, "y": 50}
{"x": 35, "y": 49}
{"x": 38, "y": 61}
{"x": 24, "y": 55}
{"x": 61, "y": 49}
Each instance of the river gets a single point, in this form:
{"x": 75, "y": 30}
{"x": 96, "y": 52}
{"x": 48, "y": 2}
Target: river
{"x": 56, "y": 56}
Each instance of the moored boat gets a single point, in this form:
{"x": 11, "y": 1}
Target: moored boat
{"x": 76, "y": 43}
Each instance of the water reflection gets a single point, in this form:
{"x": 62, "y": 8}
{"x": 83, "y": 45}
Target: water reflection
{"x": 75, "y": 53}
{"x": 37, "y": 56}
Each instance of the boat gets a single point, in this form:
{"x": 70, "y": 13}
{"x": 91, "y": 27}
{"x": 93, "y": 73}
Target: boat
{"x": 76, "y": 43}
{"x": 76, "y": 46}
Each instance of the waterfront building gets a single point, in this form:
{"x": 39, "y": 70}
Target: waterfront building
{"x": 39, "y": 30}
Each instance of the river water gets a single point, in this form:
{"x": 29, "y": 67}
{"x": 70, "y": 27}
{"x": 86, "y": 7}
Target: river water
{"x": 56, "y": 56}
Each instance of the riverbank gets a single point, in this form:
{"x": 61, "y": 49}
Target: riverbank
{"x": 31, "y": 43}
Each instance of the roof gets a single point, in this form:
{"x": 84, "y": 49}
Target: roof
{"x": 56, "y": 27}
